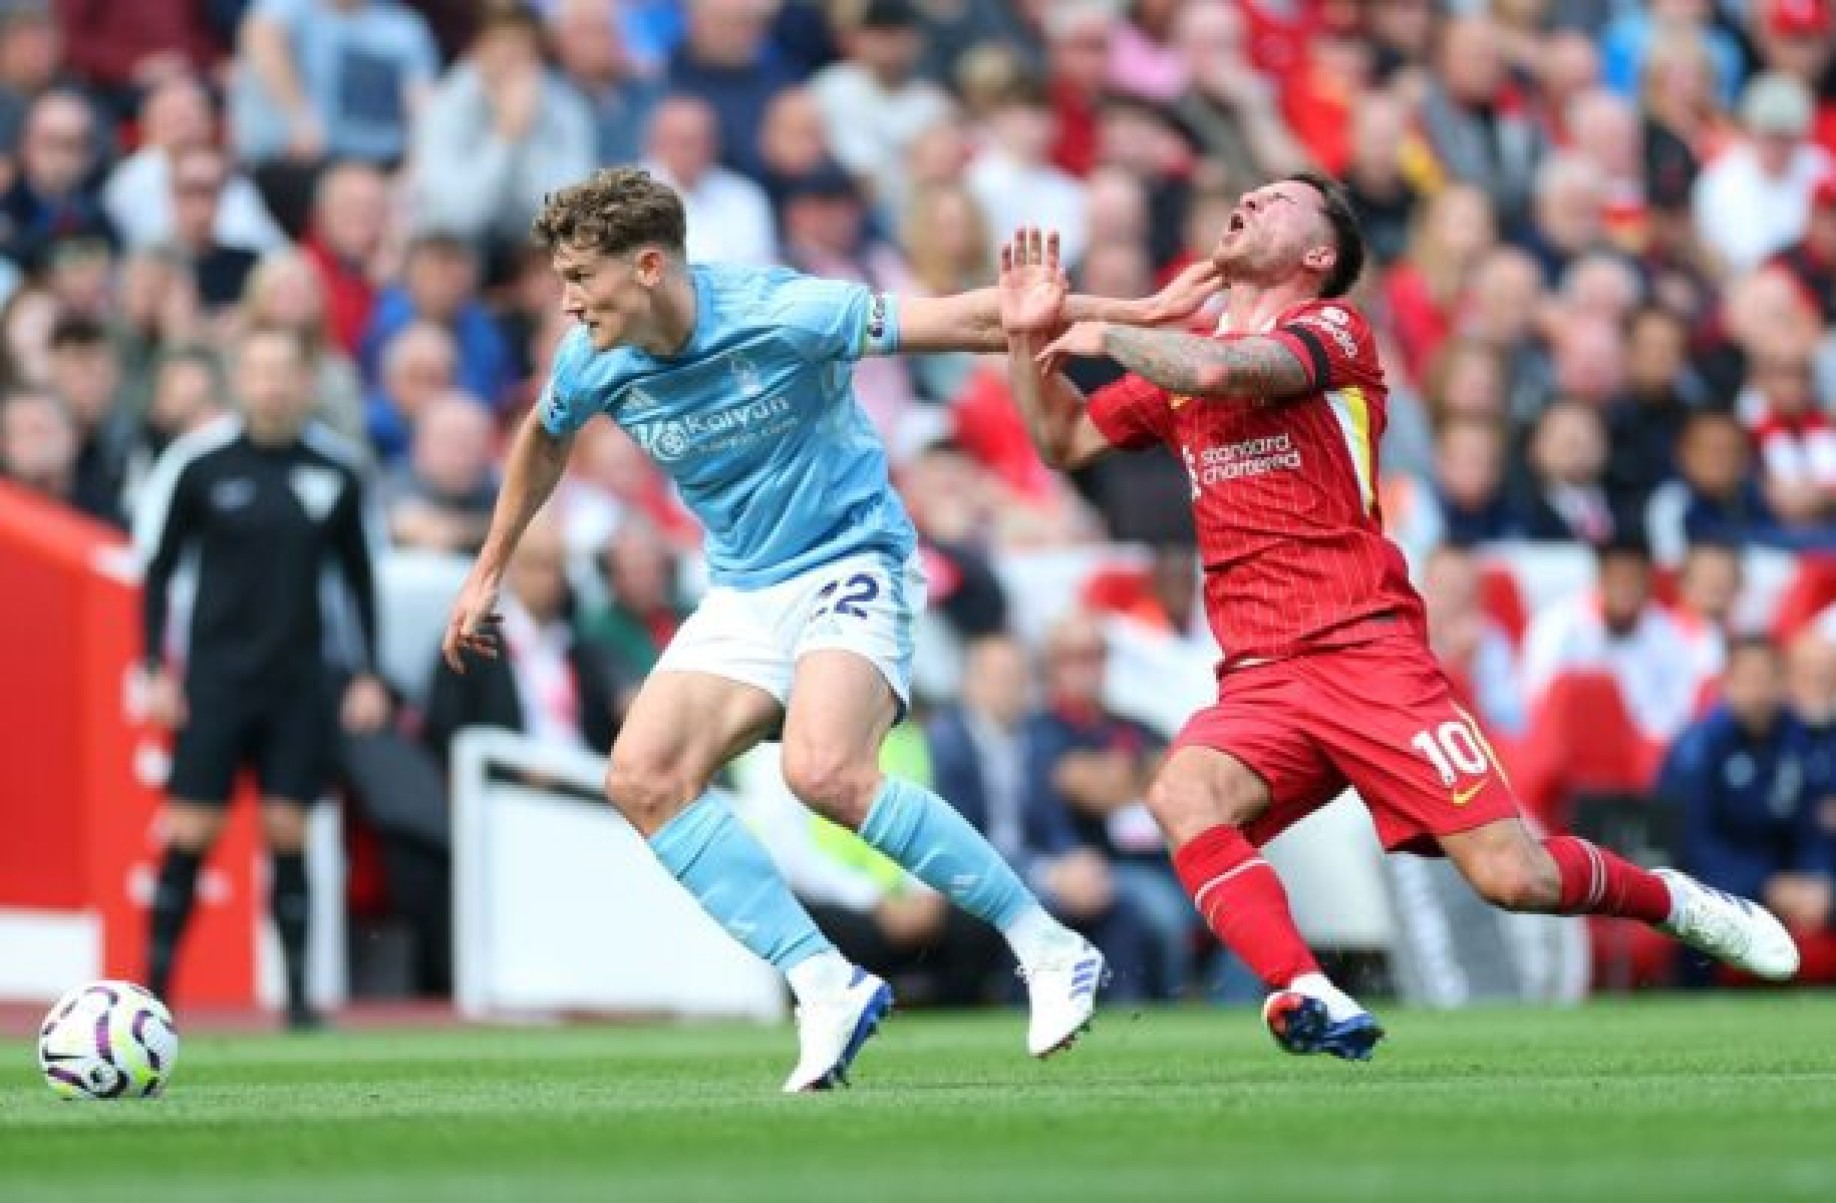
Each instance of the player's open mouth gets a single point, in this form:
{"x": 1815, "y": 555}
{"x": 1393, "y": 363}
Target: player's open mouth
{"x": 1236, "y": 222}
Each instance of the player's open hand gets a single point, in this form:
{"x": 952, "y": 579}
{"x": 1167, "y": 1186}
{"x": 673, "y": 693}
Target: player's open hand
{"x": 475, "y": 624}
{"x": 1082, "y": 339}
{"x": 1186, "y": 293}
{"x": 1033, "y": 284}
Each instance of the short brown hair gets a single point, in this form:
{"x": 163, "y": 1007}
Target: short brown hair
{"x": 1347, "y": 234}
{"x": 612, "y": 211}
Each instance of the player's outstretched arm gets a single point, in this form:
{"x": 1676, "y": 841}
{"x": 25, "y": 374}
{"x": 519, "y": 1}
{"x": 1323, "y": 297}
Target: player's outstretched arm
{"x": 971, "y": 321}
{"x": 531, "y": 472}
{"x": 1033, "y": 299}
{"x": 1253, "y": 368}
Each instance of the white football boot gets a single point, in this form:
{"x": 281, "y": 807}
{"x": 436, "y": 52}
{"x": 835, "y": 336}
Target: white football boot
{"x": 1314, "y": 1016}
{"x": 1062, "y": 987}
{"x": 832, "y": 1030}
{"x": 1735, "y": 930}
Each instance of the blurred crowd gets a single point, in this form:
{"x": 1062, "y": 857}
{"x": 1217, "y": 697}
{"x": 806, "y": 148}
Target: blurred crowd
{"x": 1604, "y": 276}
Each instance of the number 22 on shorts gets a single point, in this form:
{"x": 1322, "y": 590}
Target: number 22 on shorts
{"x": 1454, "y": 748}
{"x": 846, "y": 597}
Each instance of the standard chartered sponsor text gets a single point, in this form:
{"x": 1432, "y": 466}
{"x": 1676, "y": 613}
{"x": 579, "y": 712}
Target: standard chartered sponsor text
{"x": 1251, "y": 457}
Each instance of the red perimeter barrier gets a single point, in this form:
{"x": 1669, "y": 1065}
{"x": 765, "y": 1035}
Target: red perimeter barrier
{"x": 80, "y": 773}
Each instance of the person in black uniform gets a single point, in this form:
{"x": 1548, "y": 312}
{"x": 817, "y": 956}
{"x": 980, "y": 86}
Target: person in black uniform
{"x": 265, "y": 502}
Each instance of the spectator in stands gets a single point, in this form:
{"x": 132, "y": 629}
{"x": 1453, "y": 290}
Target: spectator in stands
{"x": 1564, "y": 498}
{"x": 980, "y": 762}
{"x": 1226, "y": 103}
{"x": 1750, "y": 796}
{"x": 346, "y": 245}
{"x": 1617, "y": 628}
{"x": 1383, "y": 191}
{"x": 125, "y": 50}
{"x": 1589, "y": 360}
{"x": 945, "y": 494}
{"x": 1475, "y": 121}
{"x": 1604, "y": 129}
{"x": 1601, "y": 288}
{"x": 1475, "y": 650}
{"x": 1139, "y": 142}
{"x": 419, "y": 365}
{"x": 1709, "y": 584}
{"x": 1752, "y": 201}
{"x": 726, "y": 60}
{"x": 85, "y": 374}
{"x": 729, "y": 217}
{"x": 1078, "y": 36}
{"x": 1469, "y": 474}
{"x": 441, "y": 499}
{"x": 498, "y": 133}
{"x": 440, "y": 285}
{"x": 1812, "y": 259}
{"x": 1627, "y": 42}
{"x": 1093, "y": 767}
{"x": 1646, "y": 424}
{"x": 794, "y": 141}
{"x": 1714, "y": 495}
{"x": 187, "y": 395}
{"x": 1503, "y": 309}
{"x": 1683, "y": 119}
{"x": 1568, "y": 203}
{"x": 1423, "y": 290}
{"x": 644, "y": 603}
{"x": 826, "y": 234}
{"x": 31, "y": 64}
{"x": 321, "y": 80}
{"x": 198, "y": 176}
{"x": 591, "y": 54}
{"x": 873, "y": 103}
{"x": 156, "y": 306}
{"x": 1013, "y": 178}
{"x": 1794, "y": 436}
{"x": 547, "y": 684}
{"x": 945, "y": 240}
{"x": 140, "y": 196}
{"x": 52, "y": 194}
{"x": 284, "y": 291}
{"x": 38, "y": 450}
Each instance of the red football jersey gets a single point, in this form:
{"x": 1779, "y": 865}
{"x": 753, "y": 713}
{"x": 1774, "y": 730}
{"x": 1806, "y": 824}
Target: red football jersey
{"x": 1284, "y": 495}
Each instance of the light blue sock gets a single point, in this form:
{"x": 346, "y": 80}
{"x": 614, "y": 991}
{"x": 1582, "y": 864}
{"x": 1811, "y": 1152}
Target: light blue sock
{"x": 938, "y": 846}
{"x": 731, "y": 875}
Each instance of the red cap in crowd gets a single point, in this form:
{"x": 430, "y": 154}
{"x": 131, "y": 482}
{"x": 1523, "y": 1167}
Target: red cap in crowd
{"x": 1797, "y": 18}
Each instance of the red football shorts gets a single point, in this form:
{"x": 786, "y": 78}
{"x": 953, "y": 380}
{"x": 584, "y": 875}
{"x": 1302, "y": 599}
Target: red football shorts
{"x": 1377, "y": 716}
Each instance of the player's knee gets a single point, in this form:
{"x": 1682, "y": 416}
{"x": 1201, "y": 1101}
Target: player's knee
{"x": 1186, "y": 804}
{"x": 831, "y": 782}
{"x": 648, "y": 792}
{"x": 1513, "y": 880}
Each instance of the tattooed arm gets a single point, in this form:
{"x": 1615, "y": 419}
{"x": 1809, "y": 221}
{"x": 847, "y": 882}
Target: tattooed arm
{"x": 1253, "y": 368}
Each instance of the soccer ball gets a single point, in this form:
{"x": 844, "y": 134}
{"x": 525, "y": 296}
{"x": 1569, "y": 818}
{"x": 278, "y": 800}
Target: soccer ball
{"x": 108, "y": 1040}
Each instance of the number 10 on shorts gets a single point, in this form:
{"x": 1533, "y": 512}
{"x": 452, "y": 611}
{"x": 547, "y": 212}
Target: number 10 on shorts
{"x": 1452, "y": 748}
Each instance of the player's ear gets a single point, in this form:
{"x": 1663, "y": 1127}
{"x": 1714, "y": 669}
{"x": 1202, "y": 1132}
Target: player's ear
{"x": 649, "y": 266}
{"x": 1321, "y": 258}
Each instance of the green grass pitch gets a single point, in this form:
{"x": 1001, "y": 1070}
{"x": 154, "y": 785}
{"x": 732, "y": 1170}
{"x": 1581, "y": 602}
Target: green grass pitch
{"x": 1722, "y": 1099}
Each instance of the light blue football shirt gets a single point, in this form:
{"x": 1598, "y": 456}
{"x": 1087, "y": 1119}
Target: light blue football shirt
{"x": 755, "y": 419}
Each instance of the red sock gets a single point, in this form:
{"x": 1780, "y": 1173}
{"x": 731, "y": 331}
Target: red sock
{"x": 1243, "y": 904}
{"x": 1596, "y": 882}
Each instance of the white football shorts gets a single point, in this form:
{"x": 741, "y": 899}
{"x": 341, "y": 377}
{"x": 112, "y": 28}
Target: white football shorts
{"x": 867, "y": 604}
